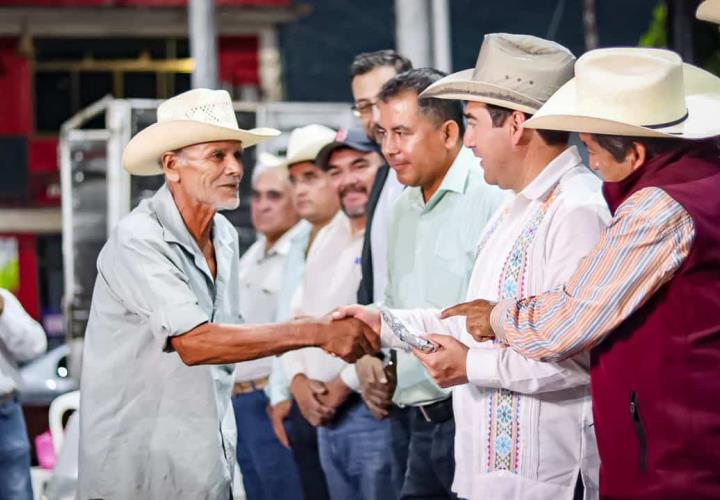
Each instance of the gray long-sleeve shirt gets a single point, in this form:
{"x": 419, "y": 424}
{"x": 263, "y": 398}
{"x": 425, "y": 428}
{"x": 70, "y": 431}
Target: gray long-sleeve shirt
{"x": 150, "y": 426}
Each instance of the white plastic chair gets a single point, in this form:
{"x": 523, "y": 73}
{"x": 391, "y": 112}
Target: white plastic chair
{"x": 59, "y": 406}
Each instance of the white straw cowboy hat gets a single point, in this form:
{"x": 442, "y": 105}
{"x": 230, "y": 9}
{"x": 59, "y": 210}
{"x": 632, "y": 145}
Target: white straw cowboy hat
{"x": 709, "y": 10}
{"x": 193, "y": 117}
{"x": 306, "y": 142}
{"x": 635, "y": 92}
{"x": 518, "y": 72}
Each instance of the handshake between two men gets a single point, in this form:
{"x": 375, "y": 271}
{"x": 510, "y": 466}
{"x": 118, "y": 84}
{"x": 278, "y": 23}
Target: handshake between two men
{"x": 319, "y": 401}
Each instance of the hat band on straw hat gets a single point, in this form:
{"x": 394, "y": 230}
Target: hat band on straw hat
{"x": 498, "y": 96}
{"x": 670, "y": 124}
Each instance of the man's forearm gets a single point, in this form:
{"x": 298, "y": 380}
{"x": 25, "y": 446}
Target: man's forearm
{"x": 212, "y": 343}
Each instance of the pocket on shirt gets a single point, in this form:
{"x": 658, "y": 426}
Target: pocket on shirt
{"x": 449, "y": 271}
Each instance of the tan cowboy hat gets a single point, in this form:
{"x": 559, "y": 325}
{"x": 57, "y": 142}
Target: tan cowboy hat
{"x": 305, "y": 143}
{"x": 635, "y": 92}
{"x": 512, "y": 71}
{"x": 193, "y": 117}
{"x": 709, "y": 10}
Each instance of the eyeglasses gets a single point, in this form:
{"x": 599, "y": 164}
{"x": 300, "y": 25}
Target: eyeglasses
{"x": 363, "y": 108}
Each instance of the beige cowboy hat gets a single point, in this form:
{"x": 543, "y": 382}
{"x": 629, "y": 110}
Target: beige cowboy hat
{"x": 305, "y": 143}
{"x": 709, "y": 10}
{"x": 635, "y": 92}
{"x": 512, "y": 71}
{"x": 193, "y": 117}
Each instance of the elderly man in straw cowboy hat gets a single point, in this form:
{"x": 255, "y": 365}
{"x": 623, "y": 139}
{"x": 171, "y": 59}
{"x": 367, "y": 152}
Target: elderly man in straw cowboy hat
{"x": 155, "y": 416}
{"x": 524, "y": 428}
{"x": 646, "y": 298}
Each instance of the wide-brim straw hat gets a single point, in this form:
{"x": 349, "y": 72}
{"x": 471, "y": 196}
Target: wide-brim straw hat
{"x": 517, "y": 72}
{"x": 305, "y": 143}
{"x": 709, "y": 10}
{"x": 193, "y": 117}
{"x": 635, "y": 92}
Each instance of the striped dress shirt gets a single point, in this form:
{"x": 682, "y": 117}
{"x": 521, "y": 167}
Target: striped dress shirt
{"x": 646, "y": 242}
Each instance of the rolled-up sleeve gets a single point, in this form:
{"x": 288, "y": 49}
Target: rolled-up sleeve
{"x": 145, "y": 276}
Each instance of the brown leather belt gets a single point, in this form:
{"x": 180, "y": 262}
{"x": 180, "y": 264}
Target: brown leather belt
{"x": 249, "y": 386}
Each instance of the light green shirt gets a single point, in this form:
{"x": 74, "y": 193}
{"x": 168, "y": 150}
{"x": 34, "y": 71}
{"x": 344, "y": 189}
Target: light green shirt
{"x": 431, "y": 254}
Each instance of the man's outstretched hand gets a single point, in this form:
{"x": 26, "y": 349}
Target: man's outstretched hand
{"x": 477, "y": 313}
{"x": 368, "y": 315}
{"x": 349, "y": 339}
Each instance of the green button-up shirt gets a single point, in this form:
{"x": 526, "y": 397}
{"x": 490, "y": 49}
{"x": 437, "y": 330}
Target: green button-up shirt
{"x": 431, "y": 254}
{"x": 150, "y": 426}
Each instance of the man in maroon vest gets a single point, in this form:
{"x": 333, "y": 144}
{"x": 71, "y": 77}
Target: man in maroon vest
{"x": 646, "y": 300}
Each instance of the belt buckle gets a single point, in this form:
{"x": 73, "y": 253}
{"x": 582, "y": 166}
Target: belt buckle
{"x": 424, "y": 413}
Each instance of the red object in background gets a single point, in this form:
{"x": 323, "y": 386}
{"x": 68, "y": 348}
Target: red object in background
{"x": 16, "y": 116}
{"x": 43, "y": 155}
{"x": 43, "y": 172}
{"x": 238, "y": 60}
{"x": 138, "y": 3}
{"x": 27, "y": 292}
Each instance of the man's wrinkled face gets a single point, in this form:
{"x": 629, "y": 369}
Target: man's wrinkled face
{"x": 365, "y": 89}
{"x": 209, "y": 173}
{"x": 412, "y": 144}
{"x": 272, "y": 209}
{"x": 314, "y": 196}
{"x": 352, "y": 173}
{"x": 491, "y": 144}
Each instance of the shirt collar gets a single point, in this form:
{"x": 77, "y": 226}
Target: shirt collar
{"x": 175, "y": 231}
{"x": 551, "y": 174}
{"x": 455, "y": 179}
{"x": 282, "y": 245}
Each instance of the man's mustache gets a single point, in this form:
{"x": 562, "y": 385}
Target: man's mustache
{"x": 353, "y": 189}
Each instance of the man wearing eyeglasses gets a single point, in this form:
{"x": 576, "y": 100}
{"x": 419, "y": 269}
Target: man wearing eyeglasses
{"x": 369, "y": 71}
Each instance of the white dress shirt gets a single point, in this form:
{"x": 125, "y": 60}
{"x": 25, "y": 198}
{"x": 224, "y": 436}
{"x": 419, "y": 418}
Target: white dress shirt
{"x": 261, "y": 275}
{"x": 379, "y": 231}
{"x": 332, "y": 276}
{"x": 530, "y": 440}
{"x": 21, "y": 339}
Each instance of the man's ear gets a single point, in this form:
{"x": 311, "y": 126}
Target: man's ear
{"x": 170, "y": 165}
{"x": 636, "y": 156}
{"x": 517, "y": 132}
{"x": 451, "y": 131}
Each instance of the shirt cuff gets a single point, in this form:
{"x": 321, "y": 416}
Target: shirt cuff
{"x": 350, "y": 378}
{"x": 176, "y": 320}
{"x": 497, "y": 315}
{"x": 481, "y": 367}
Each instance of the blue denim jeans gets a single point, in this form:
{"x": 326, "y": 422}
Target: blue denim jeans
{"x": 267, "y": 467}
{"x": 356, "y": 456}
{"x": 15, "y": 481}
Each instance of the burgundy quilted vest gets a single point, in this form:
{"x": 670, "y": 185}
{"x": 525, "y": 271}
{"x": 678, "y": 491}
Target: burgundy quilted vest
{"x": 656, "y": 378}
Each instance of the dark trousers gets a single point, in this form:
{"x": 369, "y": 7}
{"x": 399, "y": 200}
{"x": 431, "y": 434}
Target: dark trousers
{"x": 430, "y": 464}
{"x": 304, "y": 444}
{"x": 15, "y": 481}
{"x": 268, "y": 469}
